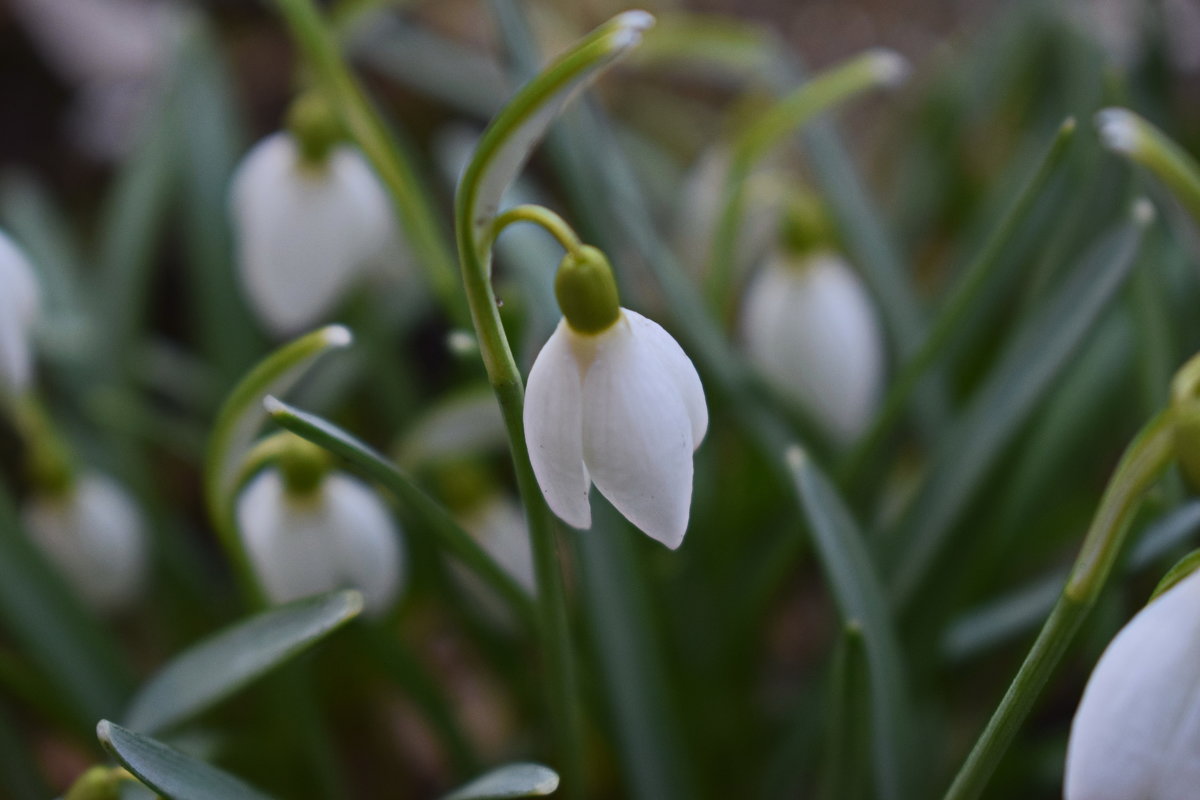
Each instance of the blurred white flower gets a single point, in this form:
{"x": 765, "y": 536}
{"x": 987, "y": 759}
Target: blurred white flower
{"x": 94, "y": 534}
{"x": 114, "y": 51}
{"x": 1137, "y": 731}
{"x": 811, "y": 328}
{"x": 498, "y": 524}
{"x": 305, "y": 230}
{"x": 19, "y": 305}
{"x": 338, "y": 535}
{"x": 624, "y": 409}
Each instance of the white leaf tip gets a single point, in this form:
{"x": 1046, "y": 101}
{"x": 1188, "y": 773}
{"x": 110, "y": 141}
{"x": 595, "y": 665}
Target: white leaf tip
{"x": 1118, "y": 129}
{"x": 273, "y": 405}
{"x": 104, "y": 731}
{"x": 630, "y": 26}
{"x": 795, "y": 456}
{"x": 461, "y": 343}
{"x": 338, "y": 335}
{"x": 1142, "y": 211}
{"x": 891, "y": 68}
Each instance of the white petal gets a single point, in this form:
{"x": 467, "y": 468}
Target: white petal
{"x": 367, "y": 550}
{"x": 289, "y": 543}
{"x": 651, "y": 335}
{"x": 500, "y": 528}
{"x": 813, "y": 331}
{"x": 554, "y": 429}
{"x": 1137, "y": 731}
{"x": 95, "y": 537}
{"x": 637, "y": 435}
{"x": 304, "y": 232}
{"x": 19, "y": 310}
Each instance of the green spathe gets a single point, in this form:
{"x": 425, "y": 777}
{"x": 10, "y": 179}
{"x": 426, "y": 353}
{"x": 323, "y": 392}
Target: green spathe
{"x": 303, "y": 465}
{"x": 315, "y": 126}
{"x": 586, "y": 291}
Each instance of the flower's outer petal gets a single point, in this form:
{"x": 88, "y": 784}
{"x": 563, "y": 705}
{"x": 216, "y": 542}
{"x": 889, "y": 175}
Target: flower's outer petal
{"x": 637, "y": 435}
{"x": 95, "y": 537}
{"x": 304, "y": 232}
{"x": 554, "y": 429}
{"x": 289, "y": 542}
{"x": 367, "y": 550}
{"x": 19, "y": 306}
{"x": 1137, "y": 731}
{"x": 813, "y": 331}
{"x": 651, "y": 335}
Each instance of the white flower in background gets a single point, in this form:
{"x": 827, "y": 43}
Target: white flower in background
{"x": 1137, "y": 731}
{"x": 306, "y": 228}
{"x": 810, "y": 327}
{"x": 613, "y": 400}
{"x": 498, "y": 524}
{"x": 337, "y": 534}
{"x": 94, "y": 534}
{"x": 115, "y": 51}
{"x": 19, "y": 304}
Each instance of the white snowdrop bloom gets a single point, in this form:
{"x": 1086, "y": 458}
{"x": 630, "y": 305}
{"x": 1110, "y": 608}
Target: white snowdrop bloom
{"x": 19, "y": 305}
{"x": 1137, "y": 731}
{"x": 305, "y": 229}
{"x": 498, "y": 524}
{"x": 94, "y": 535}
{"x": 812, "y": 330}
{"x": 338, "y": 535}
{"x": 613, "y": 400}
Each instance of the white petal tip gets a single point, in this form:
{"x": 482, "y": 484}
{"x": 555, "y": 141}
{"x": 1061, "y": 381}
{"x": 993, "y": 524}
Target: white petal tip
{"x": 1142, "y": 211}
{"x": 795, "y": 456}
{"x": 891, "y": 68}
{"x": 337, "y": 335}
{"x": 1118, "y": 129}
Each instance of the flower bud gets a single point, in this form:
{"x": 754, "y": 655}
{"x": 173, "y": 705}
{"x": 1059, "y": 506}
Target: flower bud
{"x": 306, "y": 229}
{"x": 1137, "y": 730}
{"x": 19, "y": 302}
{"x": 93, "y": 533}
{"x": 810, "y": 326}
{"x": 339, "y": 534}
{"x": 586, "y": 290}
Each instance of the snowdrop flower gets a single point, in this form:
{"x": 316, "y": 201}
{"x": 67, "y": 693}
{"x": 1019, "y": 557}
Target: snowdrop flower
{"x": 613, "y": 400}
{"x": 308, "y": 532}
{"x": 809, "y": 325}
{"x": 1137, "y": 731}
{"x": 92, "y": 532}
{"x": 19, "y": 302}
{"x": 309, "y": 215}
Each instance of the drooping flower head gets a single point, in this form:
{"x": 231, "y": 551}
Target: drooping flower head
{"x": 307, "y": 531}
{"x": 19, "y": 303}
{"x": 613, "y": 400}
{"x": 811, "y": 328}
{"x": 309, "y": 215}
{"x": 1137, "y": 730}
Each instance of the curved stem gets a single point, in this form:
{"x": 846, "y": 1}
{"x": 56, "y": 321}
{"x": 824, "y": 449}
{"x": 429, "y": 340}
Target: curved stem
{"x": 552, "y": 223}
{"x": 836, "y": 85}
{"x": 1144, "y": 461}
{"x": 1127, "y": 133}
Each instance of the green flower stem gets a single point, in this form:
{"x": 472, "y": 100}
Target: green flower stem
{"x": 553, "y": 224}
{"x": 1127, "y": 133}
{"x": 834, "y": 86}
{"x": 963, "y": 297}
{"x": 230, "y": 444}
{"x": 388, "y": 154}
{"x": 496, "y": 161}
{"x": 1147, "y": 457}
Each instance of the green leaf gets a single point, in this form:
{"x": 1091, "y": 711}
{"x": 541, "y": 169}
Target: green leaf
{"x": 847, "y": 725}
{"x": 435, "y": 518}
{"x": 511, "y": 780}
{"x": 1037, "y": 354}
{"x": 168, "y": 771}
{"x": 855, "y": 584}
{"x": 219, "y": 666}
{"x": 1183, "y": 568}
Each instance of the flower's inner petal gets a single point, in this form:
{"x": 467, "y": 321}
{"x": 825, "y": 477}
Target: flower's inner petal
{"x": 367, "y": 542}
{"x": 637, "y": 436}
{"x": 554, "y": 430}
{"x": 678, "y": 365}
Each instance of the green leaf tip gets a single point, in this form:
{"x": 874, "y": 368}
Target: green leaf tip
{"x": 521, "y": 779}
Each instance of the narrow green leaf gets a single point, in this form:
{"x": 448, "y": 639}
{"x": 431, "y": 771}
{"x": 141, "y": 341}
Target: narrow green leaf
{"x": 511, "y": 780}
{"x": 1037, "y": 354}
{"x": 437, "y": 520}
{"x": 847, "y": 726}
{"x": 168, "y": 771}
{"x": 720, "y": 45}
{"x": 208, "y": 672}
{"x": 19, "y": 778}
{"x": 860, "y": 596}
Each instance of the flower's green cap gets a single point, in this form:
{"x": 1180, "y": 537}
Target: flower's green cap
{"x": 303, "y": 465}
{"x": 806, "y": 227}
{"x": 315, "y": 127}
{"x": 586, "y": 291}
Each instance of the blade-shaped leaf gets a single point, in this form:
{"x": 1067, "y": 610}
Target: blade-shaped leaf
{"x": 1040, "y": 350}
{"x": 855, "y": 584}
{"x": 511, "y": 780}
{"x": 169, "y": 772}
{"x": 214, "y": 669}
